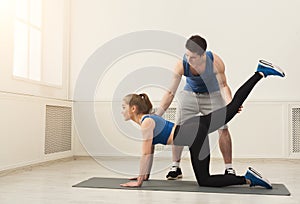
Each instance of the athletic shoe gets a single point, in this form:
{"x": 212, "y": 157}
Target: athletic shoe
{"x": 229, "y": 171}
{"x": 174, "y": 173}
{"x": 267, "y": 68}
{"x": 256, "y": 179}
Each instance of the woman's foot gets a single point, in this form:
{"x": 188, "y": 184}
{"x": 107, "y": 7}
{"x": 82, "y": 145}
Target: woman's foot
{"x": 256, "y": 179}
{"x": 267, "y": 69}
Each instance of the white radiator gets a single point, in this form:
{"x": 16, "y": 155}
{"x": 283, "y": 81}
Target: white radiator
{"x": 295, "y": 130}
{"x": 58, "y": 129}
{"x": 170, "y": 114}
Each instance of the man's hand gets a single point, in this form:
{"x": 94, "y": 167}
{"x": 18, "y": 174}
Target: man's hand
{"x": 240, "y": 109}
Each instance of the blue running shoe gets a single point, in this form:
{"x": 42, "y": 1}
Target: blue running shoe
{"x": 256, "y": 179}
{"x": 268, "y": 69}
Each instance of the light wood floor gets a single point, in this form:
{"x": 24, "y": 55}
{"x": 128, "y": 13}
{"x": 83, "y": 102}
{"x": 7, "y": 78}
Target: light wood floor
{"x": 51, "y": 183}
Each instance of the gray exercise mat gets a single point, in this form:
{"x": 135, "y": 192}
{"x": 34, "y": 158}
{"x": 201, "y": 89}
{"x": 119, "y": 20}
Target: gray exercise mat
{"x": 182, "y": 186}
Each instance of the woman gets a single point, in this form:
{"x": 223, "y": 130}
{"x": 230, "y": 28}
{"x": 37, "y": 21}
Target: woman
{"x": 193, "y": 133}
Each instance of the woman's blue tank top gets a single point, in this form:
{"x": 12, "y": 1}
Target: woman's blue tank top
{"x": 162, "y": 129}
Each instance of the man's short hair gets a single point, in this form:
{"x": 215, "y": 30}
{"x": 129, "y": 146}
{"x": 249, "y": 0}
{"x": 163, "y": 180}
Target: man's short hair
{"x": 196, "y": 44}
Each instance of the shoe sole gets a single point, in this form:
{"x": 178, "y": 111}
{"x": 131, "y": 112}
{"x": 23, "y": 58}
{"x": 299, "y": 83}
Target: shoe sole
{"x": 174, "y": 178}
{"x": 272, "y": 66}
{"x": 255, "y": 172}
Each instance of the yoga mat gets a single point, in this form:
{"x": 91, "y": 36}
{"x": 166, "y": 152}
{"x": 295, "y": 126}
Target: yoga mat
{"x": 182, "y": 186}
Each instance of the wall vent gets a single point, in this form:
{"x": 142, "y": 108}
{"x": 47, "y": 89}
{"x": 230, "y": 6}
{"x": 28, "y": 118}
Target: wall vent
{"x": 58, "y": 129}
{"x": 295, "y": 130}
{"x": 170, "y": 114}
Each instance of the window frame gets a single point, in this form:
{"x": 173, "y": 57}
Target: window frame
{"x": 64, "y": 72}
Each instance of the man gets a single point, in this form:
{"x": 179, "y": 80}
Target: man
{"x": 206, "y": 90}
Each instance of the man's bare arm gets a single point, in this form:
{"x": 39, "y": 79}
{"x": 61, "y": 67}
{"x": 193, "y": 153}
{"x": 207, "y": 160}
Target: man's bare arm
{"x": 219, "y": 69}
{"x": 169, "y": 95}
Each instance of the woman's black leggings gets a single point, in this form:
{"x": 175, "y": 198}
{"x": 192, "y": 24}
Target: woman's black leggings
{"x": 193, "y": 133}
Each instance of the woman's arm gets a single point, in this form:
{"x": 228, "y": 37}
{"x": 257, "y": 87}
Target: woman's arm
{"x": 147, "y": 153}
{"x": 146, "y": 177}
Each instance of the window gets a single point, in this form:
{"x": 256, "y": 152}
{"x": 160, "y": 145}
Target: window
{"x": 27, "y": 39}
{"x": 38, "y": 41}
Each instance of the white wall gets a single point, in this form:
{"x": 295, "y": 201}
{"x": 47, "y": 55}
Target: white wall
{"x": 23, "y": 130}
{"x": 23, "y": 103}
{"x": 241, "y": 32}
{"x": 52, "y": 58}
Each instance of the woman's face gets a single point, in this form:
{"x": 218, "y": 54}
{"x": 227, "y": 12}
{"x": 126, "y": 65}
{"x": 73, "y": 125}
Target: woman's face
{"x": 126, "y": 111}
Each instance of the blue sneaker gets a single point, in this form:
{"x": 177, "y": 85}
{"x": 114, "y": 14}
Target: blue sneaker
{"x": 268, "y": 68}
{"x": 256, "y": 179}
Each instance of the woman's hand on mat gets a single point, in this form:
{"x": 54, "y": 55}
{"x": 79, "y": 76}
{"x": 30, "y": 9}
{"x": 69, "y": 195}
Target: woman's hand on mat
{"x": 146, "y": 178}
{"x": 131, "y": 184}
